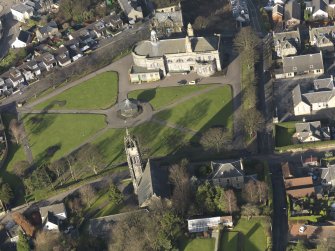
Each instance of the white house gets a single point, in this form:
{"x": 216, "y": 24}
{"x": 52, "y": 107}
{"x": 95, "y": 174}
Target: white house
{"x": 23, "y": 39}
{"x": 318, "y": 9}
{"x": 311, "y": 132}
{"x": 21, "y": 12}
{"x": 52, "y": 216}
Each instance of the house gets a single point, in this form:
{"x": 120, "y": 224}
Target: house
{"x": 99, "y": 29}
{"x": 227, "y": 174}
{"x": 321, "y": 97}
{"x": 132, "y": 9}
{"x": 277, "y": 13}
{"x": 139, "y": 74}
{"x": 33, "y": 66}
{"x": 52, "y": 216}
{"x": 327, "y": 176}
{"x": 153, "y": 185}
{"x": 113, "y": 21}
{"x": 26, "y": 72}
{"x": 299, "y": 187}
{"x": 292, "y": 14}
{"x": 49, "y": 30}
{"x": 168, "y": 20}
{"x": 287, "y": 43}
{"x": 47, "y": 61}
{"x": 310, "y": 232}
{"x": 23, "y": 40}
{"x": 311, "y": 132}
{"x": 204, "y": 224}
{"x": 75, "y": 53}
{"x": 63, "y": 56}
{"x": 12, "y": 231}
{"x": 15, "y": 77}
{"x": 286, "y": 170}
{"x": 317, "y": 9}
{"x": 102, "y": 226}
{"x": 21, "y": 12}
{"x": 310, "y": 162}
{"x": 322, "y": 38}
{"x": 300, "y": 65}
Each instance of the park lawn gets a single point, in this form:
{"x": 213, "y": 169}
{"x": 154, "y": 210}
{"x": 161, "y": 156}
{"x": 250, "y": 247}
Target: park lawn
{"x": 214, "y": 108}
{"x": 228, "y": 241}
{"x": 284, "y": 132}
{"x": 99, "y": 92}
{"x": 163, "y": 96}
{"x": 155, "y": 139}
{"x": 199, "y": 244}
{"x": 254, "y": 238}
{"x": 51, "y": 136}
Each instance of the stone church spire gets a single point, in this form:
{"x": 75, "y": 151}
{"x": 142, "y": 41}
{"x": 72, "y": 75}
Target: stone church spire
{"x": 134, "y": 159}
{"x": 190, "y": 31}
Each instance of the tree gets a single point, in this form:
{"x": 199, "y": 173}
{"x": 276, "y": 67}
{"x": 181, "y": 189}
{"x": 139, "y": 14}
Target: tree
{"x": 23, "y": 242}
{"x": 200, "y": 23}
{"x": 250, "y": 210}
{"x": 215, "y": 139}
{"x": 48, "y": 240}
{"x": 70, "y": 160}
{"x": 115, "y": 195}
{"x": 228, "y": 201}
{"x": 17, "y": 130}
{"x": 20, "y": 168}
{"x": 75, "y": 205}
{"x": 250, "y": 192}
{"x": 22, "y": 221}
{"x": 262, "y": 191}
{"x": 252, "y": 121}
{"x": 300, "y": 246}
{"x": 208, "y": 198}
{"x": 6, "y": 193}
{"x": 59, "y": 168}
{"x": 181, "y": 195}
{"x": 326, "y": 244}
{"x": 87, "y": 193}
{"x": 90, "y": 156}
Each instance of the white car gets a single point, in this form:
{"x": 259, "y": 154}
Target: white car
{"x": 302, "y": 228}
{"x": 191, "y": 82}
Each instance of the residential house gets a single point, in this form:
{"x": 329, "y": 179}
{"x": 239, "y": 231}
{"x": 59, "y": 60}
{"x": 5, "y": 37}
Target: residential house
{"x": 286, "y": 170}
{"x": 63, "y": 56}
{"x": 300, "y": 65}
{"x": 168, "y": 20}
{"x": 49, "y": 30}
{"x": 310, "y": 233}
{"x": 23, "y": 40}
{"x": 327, "y": 176}
{"x": 292, "y": 14}
{"x": 102, "y": 226}
{"x": 75, "y": 53}
{"x": 15, "y": 77}
{"x": 311, "y": 132}
{"x": 21, "y": 12}
{"x": 26, "y": 72}
{"x": 47, "y": 61}
{"x": 322, "y": 38}
{"x": 139, "y": 74}
{"x": 113, "y": 21}
{"x": 299, "y": 187}
{"x": 204, "y": 224}
{"x": 227, "y": 174}
{"x": 322, "y": 96}
{"x": 53, "y": 215}
{"x": 99, "y": 29}
{"x": 277, "y": 13}
{"x": 287, "y": 43}
{"x": 33, "y": 66}
{"x": 13, "y": 230}
{"x": 132, "y": 9}
{"x": 317, "y": 9}
{"x": 153, "y": 185}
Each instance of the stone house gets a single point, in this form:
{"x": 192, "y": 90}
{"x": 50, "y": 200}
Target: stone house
{"x": 47, "y": 61}
{"x": 287, "y": 43}
{"x": 113, "y": 21}
{"x": 49, "y": 30}
{"x": 63, "y": 56}
{"x": 33, "y": 66}
{"x": 292, "y": 14}
{"x": 21, "y": 12}
{"x": 227, "y": 174}
{"x": 52, "y": 216}
{"x": 15, "y": 77}
{"x": 132, "y": 9}
{"x": 311, "y": 132}
{"x": 318, "y": 9}
{"x": 322, "y": 38}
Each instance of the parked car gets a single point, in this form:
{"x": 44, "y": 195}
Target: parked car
{"x": 191, "y": 82}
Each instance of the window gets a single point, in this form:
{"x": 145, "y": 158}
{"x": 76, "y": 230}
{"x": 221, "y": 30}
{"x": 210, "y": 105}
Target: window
{"x": 294, "y": 68}
{"x": 180, "y": 60}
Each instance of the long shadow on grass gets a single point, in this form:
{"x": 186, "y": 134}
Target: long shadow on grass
{"x": 47, "y": 154}
{"x": 247, "y": 243}
{"x": 39, "y": 123}
{"x": 147, "y": 95}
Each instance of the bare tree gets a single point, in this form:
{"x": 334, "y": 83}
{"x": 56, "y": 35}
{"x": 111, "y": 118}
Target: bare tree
{"x": 58, "y": 167}
{"x": 252, "y": 121}
{"x": 90, "y": 156}
{"x": 87, "y": 193}
{"x": 180, "y": 179}
{"x": 215, "y": 138}
{"x": 75, "y": 205}
{"x": 262, "y": 190}
{"x": 20, "y": 168}
{"x": 250, "y": 210}
{"x": 16, "y": 129}
{"x": 47, "y": 240}
{"x": 70, "y": 160}
{"x": 250, "y": 192}
{"x": 230, "y": 201}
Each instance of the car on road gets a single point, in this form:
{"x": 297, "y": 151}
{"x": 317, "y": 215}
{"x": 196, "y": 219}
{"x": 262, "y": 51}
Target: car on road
{"x": 192, "y": 82}
{"x": 182, "y": 82}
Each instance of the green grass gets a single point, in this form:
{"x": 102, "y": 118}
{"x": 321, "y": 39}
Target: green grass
{"x": 99, "y": 92}
{"x": 160, "y": 97}
{"x": 311, "y": 218}
{"x": 229, "y": 241}
{"x": 284, "y": 132}
{"x": 53, "y": 136}
{"x": 253, "y": 234}
{"x": 213, "y": 108}
{"x": 198, "y": 244}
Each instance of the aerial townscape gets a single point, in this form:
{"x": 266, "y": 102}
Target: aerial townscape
{"x": 165, "y": 125}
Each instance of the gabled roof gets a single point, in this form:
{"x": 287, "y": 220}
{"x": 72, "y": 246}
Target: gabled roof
{"x": 305, "y": 130}
{"x": 154, "y": 181}
{"x": 319, "y": 5}
{"x": 22, "y": 8}
{"x": 51, "y": 217}
{"x": 292, "y": 10}
{"x": 328, "y": 173}
{"x": 303, "y": 63}
{"x": 226, "y": 169}
{"x": 315, "y": 33}
{"x": 278, "y": 9}
{"x": 24, "y": 36}
{"x": 55, "y": 209}
{"x": 324, "y": 84}
{"x": 48, "y": 27}
{"x": 175, "y": 16}
{"x": 298, "y": 182}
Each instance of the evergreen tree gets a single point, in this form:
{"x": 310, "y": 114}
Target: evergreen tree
{"x": 23, "y": 243}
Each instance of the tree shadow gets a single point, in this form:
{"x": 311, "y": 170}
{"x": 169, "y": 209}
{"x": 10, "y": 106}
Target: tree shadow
{"x": 39, "y": 123}
{"x": 47, "y": 154}
{"x": 147, "y": 95}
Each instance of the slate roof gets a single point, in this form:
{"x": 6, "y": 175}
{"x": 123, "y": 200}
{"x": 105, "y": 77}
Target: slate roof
{"x": 293, "y": 36}
{"x": 128, "y": 5}
{"x": 324, "y": 84}
{"x": 226, "y": 169}
{"x": 24, "y": 36}
{"x": 328, "y": 173}
{"x": 302, "y": 63}
{"x": 319, "y": 5}
{"x": 51, "y": 217}
{"x": 63, "y": 55}
{"x": 304, "y": 130}
{"x": 175, "y": 16}
{"x": 172, "y": 46}
{"x": 22, "y": 8}
{"x": 278, "y": 9}
{"x": 292, "y": 10}
{"x": 154, "y": 181}
{"x": 55, "y": 209}
{"x": 48, "y": 27}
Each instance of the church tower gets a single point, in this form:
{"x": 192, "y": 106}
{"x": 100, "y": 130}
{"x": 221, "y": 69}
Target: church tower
{"x": 190, "y": 31}
{"x": 134, "y": 159}
{"x": 188, "y": 44}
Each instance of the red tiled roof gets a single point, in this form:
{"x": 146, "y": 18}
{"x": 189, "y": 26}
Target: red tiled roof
{"x": 297, "y": 182}
{"x": 301, "y": 192}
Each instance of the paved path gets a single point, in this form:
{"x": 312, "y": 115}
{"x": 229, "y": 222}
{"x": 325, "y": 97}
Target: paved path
{"x": 216, "y": 236}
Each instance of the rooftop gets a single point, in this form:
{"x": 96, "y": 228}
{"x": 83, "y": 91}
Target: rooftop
{"x": 303, "y": 63}
{"x": 55, "y": 209}
{"x": 227, "y": 169}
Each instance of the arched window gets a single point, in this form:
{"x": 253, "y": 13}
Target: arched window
{"x": 180, "y": 60}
